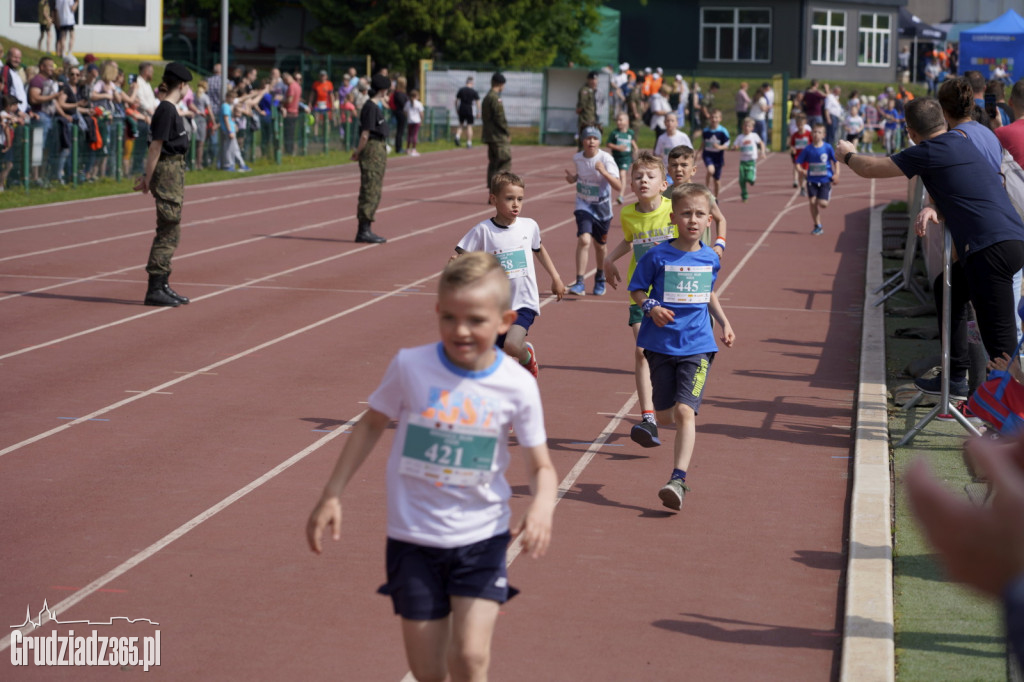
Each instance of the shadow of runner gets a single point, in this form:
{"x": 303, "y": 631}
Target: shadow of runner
{"x": 591, "y": 494}
{"x": 760, "y": 634}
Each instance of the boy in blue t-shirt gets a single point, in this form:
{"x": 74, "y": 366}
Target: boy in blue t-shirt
{"x": 817, "y": 161}
{"x": 712, "y": 153}
{"x": 675, "y": 331}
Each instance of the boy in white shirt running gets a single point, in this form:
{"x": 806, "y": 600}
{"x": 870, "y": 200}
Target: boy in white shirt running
{"x": 448, "y": 519}
{"x": 596, "y": 176}
{"x": 749, "y": 143}
{"x": 510, "y": 237}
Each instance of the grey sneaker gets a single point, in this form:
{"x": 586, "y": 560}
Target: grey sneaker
{"x": 672, "y": 494}
{"x": 577, "y": 289}
{"x": 645, "y": 433}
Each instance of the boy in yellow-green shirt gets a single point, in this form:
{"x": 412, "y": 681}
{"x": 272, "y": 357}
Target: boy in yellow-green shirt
{"x": 644, "y": 225}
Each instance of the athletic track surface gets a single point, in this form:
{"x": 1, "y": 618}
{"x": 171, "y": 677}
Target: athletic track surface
{"x": 160, "y": 463}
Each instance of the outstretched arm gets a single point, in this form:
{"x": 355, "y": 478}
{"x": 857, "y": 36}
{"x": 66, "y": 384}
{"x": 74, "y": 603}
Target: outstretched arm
{"x": 327, "y": 512}
{"x": 867, "y": 166}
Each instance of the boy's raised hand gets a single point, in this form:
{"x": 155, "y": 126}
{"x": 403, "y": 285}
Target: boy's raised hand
{"x": 326, "y": 513}
{"x": 570, "y": 177}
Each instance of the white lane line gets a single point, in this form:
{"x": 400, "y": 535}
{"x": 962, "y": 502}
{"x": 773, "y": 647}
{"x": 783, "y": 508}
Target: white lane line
{"x": 178, "y": 532}
{"x": 397, "y": 292}
{"x": 205, "y": 221}
{"x": 208, "y": 368}
{"x": 328, "y": 259}
{"x": 245, "y": 241}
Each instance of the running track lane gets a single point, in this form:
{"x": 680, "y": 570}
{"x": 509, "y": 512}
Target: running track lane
{"x": 746, "y": 579}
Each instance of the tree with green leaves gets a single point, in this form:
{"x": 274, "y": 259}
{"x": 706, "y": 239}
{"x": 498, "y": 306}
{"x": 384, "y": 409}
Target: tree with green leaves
{"x": 526, "y": 34}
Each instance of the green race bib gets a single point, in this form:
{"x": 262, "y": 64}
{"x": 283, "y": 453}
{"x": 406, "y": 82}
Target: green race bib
{"x": 448, "y": 454}
{"x": 687, "y": 283}
{"x": 514, "y": 262}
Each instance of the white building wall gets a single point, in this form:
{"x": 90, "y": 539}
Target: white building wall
{"x": 114, "y": 41}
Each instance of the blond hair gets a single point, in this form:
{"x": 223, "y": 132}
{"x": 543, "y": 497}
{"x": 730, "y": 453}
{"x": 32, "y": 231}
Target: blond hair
{"x": 648, "y": 159}
{"x": 686, "y": 190}
{"x": 473, "y": 269}
{"x": 503, "y": 179}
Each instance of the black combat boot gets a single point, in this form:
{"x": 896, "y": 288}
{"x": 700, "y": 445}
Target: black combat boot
{"x": 157, "y": 294}
{"x": 184, "y": 300}
{"x": 366, "y": 236}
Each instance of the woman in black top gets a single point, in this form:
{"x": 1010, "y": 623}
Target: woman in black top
{"x": 165, "y": 178}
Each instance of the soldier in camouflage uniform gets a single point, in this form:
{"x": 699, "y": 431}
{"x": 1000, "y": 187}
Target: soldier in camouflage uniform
{"x": 586, "y": 108}
{"x": 165, "y": 179}
{"x": 372, "y": 155}
{"x": 495, "y": 130}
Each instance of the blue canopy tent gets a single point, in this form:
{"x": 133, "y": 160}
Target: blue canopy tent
{"x": 999, "y": 40}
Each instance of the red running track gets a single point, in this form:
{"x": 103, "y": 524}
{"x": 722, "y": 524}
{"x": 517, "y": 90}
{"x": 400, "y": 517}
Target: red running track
{"x": 160, "y": 463}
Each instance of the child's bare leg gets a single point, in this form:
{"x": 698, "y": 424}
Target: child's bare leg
{"x": 426, "y": 647}
{"x": 582, "y": 252}
{"x": 710, "y": 177}
{"x": 815, "y": 214}
{"x": 686, "y": 432}
{"x": 642, "y": 373}
{"x": 469, "y": 653}
{"x": 624, "y": 180}
{"x": 515, "y": 344}
{"x": 600, "y": 252}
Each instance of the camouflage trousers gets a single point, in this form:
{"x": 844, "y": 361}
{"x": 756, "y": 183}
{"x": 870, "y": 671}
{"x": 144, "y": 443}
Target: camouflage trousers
{"x": 372, "y": 162}
{"x": 168, "y": 188}
{"x": 499, "y": 158}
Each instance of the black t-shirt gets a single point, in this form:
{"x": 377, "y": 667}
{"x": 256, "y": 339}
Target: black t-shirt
{"x": 168, "y": 127}
{"x": 372, "y": 120}
{"x": 465, "y": 97}
{"x": 400, "y": 101}
{"x": 966, "y": 189}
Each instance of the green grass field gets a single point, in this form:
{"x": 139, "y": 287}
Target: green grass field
{"x": 943, "y": 630}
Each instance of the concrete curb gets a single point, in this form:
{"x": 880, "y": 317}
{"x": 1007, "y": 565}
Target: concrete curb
{"x": 868, "y": 646}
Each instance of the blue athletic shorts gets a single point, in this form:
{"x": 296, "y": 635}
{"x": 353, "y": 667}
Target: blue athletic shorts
{"x": 820, "y": 190}
{"x": 716, "y": 159}
{"x": 524, "y": 319}
{"x": 586, "y": 223}
{"x": 422, "y": 580}
{"x": 678, "y": 379}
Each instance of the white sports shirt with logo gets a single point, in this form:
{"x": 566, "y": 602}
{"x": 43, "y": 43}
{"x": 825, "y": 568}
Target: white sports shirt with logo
{"x": 446, "y": 471}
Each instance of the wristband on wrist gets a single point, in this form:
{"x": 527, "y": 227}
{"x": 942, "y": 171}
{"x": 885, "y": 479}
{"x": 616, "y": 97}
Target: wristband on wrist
{"x": 720, "y": 242}
{"x": 649, "y": 305}
{"x": 846, "y": 159}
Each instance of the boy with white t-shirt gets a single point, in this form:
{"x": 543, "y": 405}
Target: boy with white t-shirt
{"x": 448, "y": 519}
{"x": 596, "y": 176}
{"x": 508, "y": 236}
{"x": 670, "y": 139}
{"x": 749, "y": 143}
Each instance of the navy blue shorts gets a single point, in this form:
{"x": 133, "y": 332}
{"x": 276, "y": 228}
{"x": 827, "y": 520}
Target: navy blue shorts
{"x": 678, "y": 379}
{"x": 716, "y": 159}
{"x": 820, "y": 190}
{"x": 586, "y": 223}
{"x": 524, "y": 319}
{"x": 421, "y": 580}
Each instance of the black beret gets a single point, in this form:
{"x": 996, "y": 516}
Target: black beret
{"x": 498, "y": 78}
{"x": 380, "y": 82}
{"x": 178, "y": 71}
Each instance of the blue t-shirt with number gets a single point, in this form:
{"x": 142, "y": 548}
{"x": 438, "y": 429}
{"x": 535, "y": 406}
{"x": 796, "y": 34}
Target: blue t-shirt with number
{"x": 682, "y": 281}
{"x": 819, "y": 162}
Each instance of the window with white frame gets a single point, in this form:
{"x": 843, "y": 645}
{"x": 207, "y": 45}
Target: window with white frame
{"x": 828, "y": 37}
{"x": 873, "y": 39}
{"x": 736, "y": 34}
